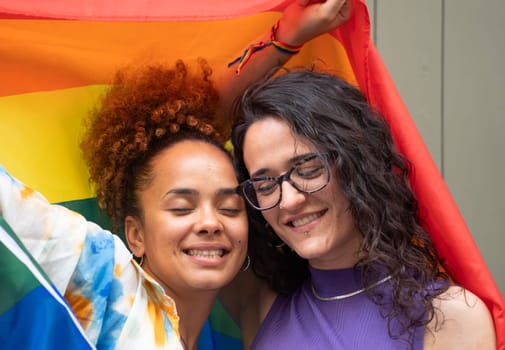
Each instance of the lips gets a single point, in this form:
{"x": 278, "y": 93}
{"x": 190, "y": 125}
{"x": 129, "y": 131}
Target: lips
{"x": 306, "y": 219}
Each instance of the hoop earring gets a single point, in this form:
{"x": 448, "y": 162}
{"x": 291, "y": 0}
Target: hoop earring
{"x": 248, "y": 263}
{"x": 141, "y": 260}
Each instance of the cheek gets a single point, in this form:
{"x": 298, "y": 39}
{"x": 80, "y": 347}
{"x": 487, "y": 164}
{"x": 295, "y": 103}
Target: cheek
{"x": 163, "y": 232}
{"x": 269, "y": 216}
{"x": 240, "y": 231}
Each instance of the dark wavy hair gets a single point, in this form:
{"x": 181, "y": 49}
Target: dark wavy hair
{"x": 146, "y": 109}
{"x": 337, "y": 119}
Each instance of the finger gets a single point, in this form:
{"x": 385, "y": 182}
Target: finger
{"x": 346, "y": 9}
{"x": 334, "y": 6}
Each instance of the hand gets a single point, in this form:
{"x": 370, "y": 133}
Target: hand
{"x": 303, "y": 20}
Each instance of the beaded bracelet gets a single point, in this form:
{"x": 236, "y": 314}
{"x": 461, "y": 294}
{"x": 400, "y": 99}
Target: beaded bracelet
{"x": 279, "y": 45}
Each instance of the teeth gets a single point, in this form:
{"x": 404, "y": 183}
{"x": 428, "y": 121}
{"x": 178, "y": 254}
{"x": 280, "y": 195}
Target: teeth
{"x": 305, "y": 220}
{"x": 215, "y": 253}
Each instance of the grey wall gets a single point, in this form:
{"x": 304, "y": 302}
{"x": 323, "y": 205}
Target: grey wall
{"x": 447, "y": 58}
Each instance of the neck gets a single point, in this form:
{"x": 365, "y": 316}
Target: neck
{"x": 193, "y": 310}
{"x": 346, "y": 256}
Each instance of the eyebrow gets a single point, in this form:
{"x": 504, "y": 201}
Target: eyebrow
{"x": 291, "y": 161}
{"x": 228, "y": 191}
{"x": 182, "y": 191}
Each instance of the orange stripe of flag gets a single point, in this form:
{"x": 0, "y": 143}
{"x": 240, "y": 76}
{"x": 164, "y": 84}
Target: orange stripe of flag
{"x": 42, "y": 55}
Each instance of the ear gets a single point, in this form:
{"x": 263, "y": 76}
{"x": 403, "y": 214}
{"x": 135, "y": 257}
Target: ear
{"x": 134, "y": 234}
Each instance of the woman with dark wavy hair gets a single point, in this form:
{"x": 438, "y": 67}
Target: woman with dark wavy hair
{"x": 340, "y": 258}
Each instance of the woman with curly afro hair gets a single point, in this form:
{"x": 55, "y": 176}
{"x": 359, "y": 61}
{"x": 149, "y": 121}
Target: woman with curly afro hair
{"x": 156, "y": 158}
{"x": 155, "y": 154}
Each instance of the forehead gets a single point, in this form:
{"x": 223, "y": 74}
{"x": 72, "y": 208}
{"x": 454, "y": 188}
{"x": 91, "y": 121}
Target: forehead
{"x": 192, "y": 160}
{"x": 270, "y": 142}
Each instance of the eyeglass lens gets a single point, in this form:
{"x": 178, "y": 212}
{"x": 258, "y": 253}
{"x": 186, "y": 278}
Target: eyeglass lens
{"x": 310, "y": 175}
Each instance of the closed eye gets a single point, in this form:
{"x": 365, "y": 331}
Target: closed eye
{"x": 309, "y": 172}
{"x": 230, "y": 211}
{"x": 230, "y": 203}
{"x": 180, "y": 211}
{"x": 266, "y": 187}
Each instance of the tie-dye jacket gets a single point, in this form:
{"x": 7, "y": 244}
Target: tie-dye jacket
{"x": 118, "y": 305}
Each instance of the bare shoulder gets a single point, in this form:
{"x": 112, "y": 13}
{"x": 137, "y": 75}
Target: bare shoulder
{"x": 462, "y": 321}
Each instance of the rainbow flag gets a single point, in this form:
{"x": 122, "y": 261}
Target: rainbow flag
{"x": 57, "y": 57}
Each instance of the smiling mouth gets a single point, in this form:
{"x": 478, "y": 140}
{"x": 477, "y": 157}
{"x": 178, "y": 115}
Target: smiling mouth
{"x": 211, "y": 253}
{"x": 305, "y": 220}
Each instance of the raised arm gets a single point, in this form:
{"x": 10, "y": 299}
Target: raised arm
{"x": 301, "y": 21}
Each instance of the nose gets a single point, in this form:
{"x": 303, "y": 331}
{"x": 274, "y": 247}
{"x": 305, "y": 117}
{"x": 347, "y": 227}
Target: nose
{"x": 291, "y": 197}
{"x": 209, "y": 221}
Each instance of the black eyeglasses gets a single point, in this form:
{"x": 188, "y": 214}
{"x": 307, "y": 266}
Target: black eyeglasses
{"x": 309, "y": 175}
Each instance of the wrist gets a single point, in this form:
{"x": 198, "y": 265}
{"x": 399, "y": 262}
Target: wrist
{"x": 281, "y": 45}
{"x": 288, "y": 32}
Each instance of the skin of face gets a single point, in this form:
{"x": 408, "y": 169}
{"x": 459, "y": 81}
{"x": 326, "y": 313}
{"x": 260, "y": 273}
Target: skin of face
{"x": 193, "y": 234}
{"x": 319, "y": 226}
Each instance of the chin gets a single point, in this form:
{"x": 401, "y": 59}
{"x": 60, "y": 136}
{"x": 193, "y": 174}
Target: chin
{"x": 211, "y": 282}
{"x": 311, "y": 252}
{"x": 213, "y": 285}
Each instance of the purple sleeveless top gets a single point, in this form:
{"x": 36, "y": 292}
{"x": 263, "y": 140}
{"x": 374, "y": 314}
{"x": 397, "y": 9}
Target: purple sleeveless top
{"x": 302, "y": 322}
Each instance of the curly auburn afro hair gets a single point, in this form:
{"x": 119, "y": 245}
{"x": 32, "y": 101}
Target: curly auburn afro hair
{"x": 144, "y": 111}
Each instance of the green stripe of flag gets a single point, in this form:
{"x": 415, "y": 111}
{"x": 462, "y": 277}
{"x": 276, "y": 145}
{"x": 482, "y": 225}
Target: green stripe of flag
{"x": 221, "y": 321}
{"x": 13, "y": 289}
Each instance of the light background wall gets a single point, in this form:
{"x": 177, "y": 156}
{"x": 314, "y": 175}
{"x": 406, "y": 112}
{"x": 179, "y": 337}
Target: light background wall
{"x": 447, "y": 58}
